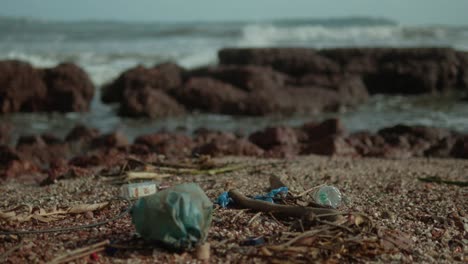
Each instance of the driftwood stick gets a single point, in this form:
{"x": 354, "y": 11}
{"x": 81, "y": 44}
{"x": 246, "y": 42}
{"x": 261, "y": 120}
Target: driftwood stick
{"x": 308, "y": 213}
{"x": 81, "y": 252}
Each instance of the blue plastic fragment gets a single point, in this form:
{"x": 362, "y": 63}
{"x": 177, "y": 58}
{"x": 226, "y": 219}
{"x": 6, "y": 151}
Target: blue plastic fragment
{"x": 272, "y": 194}
{"x": 253, "y": 241}
{"x": 224, "y": 200}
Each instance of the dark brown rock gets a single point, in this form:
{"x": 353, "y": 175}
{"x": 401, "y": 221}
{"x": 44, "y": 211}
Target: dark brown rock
{"x": 460, "y": 148}
{"x": 5, "y": 133}
{"x": 211, "y": 95}
{"x": 13, "y": 166}
{"x": 248, "y": 78}
{"x": 111, "y": 140}
{"x": 350, "y": 88}
{"x": 313, "y": 131}
{"x": 443, "y": 148}
{"x": 223, "y": 146}
{"x": 417, "y": 138}
{"x": 160, "y": 77}
{"x": 283, "y": 151}
{"x": 291, "y": 100}
{"x": 7, "y": 155}
{"x": 169, "y": 144}
{"x": 218, "y": 143}
{"x": 148, "y": 102}
{"x": 355, "y": 60}
{"x": 330, "y": 145}
{"x": 82, "y": 133}
{"x": 293, "y": 61}
{"x": 401, "y": 70}
{"x": 21, "y": 88}
{"x": 368, "y": 144}
{"x": 36, "y": 149}
{"x": 69, "y": 88}
{"x": 274, "y": 136}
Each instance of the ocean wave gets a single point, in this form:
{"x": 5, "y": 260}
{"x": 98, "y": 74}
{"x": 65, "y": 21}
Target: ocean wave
{"x": 323, "y": 36}
{"x": 264, "y": 35}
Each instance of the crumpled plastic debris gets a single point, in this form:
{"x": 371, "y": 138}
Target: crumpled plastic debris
{"x": 253, "y": 241}
{"x": 272, "y": 194}
{"x": 224, "y": 200}
{"x": 179, "y": 217}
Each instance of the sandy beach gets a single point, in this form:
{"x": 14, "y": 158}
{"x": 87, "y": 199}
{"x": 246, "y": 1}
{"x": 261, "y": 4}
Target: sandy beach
{"x": 408, "y": 220}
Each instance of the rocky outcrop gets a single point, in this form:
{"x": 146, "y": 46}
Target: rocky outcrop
{"x": 247, "y": 78}
{"x": 5, "y": 133}
{"x": 383, "y": 70}
{"x": 86, "y": 152}
{"x": 21, "y": 88}
{"x": 266, "y": 81}
{"x": 148, "y": 102}
{"x": 64, "y": 88}
{"x": 292, "y": 61}
{"x": 163, "y": 77}
{"x": 210, "y": 95}
{"x": 69, "y": 88}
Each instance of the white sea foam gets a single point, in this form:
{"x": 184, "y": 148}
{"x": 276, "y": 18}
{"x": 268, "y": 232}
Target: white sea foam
{"x": 268, "y": 35}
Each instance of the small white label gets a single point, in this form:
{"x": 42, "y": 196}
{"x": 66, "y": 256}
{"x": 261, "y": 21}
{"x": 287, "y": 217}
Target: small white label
{"x": 137, "y": 190}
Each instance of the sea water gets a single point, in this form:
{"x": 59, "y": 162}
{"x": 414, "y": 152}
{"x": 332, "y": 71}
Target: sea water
{"x": 106, "y": 48}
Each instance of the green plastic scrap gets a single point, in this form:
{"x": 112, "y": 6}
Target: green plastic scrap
{"x": 179, "y": 217}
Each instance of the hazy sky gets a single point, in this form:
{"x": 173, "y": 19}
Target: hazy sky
{"x": 404, "y": 11}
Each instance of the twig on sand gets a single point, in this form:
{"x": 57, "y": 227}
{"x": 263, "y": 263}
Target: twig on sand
{"x": 81, "y": 252}
{"x": 237, "y": 215}
{"x": 308, "y": 213}
{"x": 436, "y": 179}
{"x": 11, "y": 250}
{"x": 253, "y": 218}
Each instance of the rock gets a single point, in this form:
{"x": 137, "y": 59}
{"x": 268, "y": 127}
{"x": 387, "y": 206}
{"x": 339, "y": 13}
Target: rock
{"x": 313, "y": 131}
{"x": 248, "y": 78}
{"x": 292, "y": 61}
{"x": 163, "y": 77}
{"x": 211, "y": 95}
{"x": 31, "y": 140}
{"x": 416, "y": 139}
{"x": 13, "y": 166}
{"x": 368, "y": 144}
{"x": 274, "y": 136}
{"x": 355, "y": 60}
{"x": 460, "y": 148}
{"x": 330, "y": 145}
{"x": 21, "y": 88}
{"x": 431, "y": 134}
{"x": 51, "y": 139}
{"x": 7, "y": 155}
{"x": 217, "y": 143}
{"x": 111, "y": 140}
{"x": 350, "y": 88}
{"x": 81, "y": 133}
{"x": 36, "y": 149}
{"x": 463, "y": 70}
{"x": 69, "y": 88}
{"x": 291, "y": 100}
{"x": 442, "y": 149}
{"x": 5, "y": 133}
{"x": 169, "y": 144}
{"x": 223, "y": 146}
{"x": 413, "y": 70}
{"x": 86, "y": 161}
{"x": 283, "y": 151}
{"x": 148, "y": 102}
